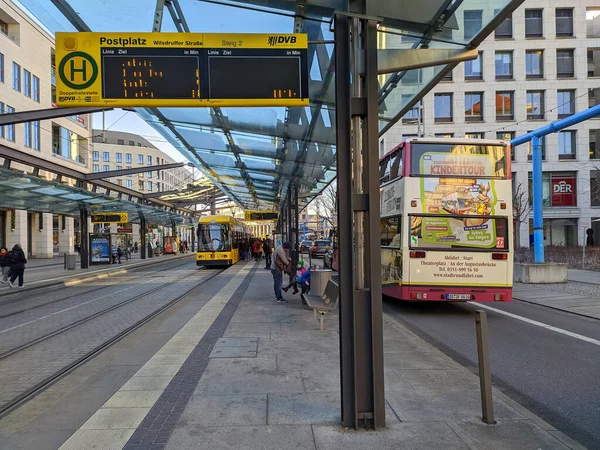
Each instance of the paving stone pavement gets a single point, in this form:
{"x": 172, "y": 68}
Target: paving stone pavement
{"x": 31, "y": 366}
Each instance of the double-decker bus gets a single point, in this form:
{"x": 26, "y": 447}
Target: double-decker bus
{"x": 446, "y": 220}
{"x": 219, "y": 239}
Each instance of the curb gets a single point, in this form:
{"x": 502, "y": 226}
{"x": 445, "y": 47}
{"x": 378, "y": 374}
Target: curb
{"x": 80, "y": 278}
{"x": 553, "y": 431}
{"x": 555, "y": 308}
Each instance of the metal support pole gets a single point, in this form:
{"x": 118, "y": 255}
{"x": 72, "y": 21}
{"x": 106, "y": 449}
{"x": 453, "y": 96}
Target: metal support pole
{"x": 294, "y": 227}
{"x": 538, "y": 211}
{"x": 213, "y": 208}
{"x": 143, "y": 231}
{"x": 84, "y": 251}
{"x": 361, "y": 319}
{"x": 485, "y": 376}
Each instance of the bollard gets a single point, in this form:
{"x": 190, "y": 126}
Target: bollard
{"x": 65, "y": 259}
{"x": 485, "y": 376}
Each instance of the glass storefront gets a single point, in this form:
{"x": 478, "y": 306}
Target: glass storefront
{"x": 557, "y": 232}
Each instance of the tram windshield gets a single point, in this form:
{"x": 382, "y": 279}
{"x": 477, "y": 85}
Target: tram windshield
{"x": 214, "y": 237}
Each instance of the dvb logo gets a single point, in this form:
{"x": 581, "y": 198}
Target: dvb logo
{"x": 274, "y": 40}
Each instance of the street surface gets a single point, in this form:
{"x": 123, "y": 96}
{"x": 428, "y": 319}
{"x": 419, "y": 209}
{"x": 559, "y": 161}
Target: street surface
{"x": 553, "y": 372}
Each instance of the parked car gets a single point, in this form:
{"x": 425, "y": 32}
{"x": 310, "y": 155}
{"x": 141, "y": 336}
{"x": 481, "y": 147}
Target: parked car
{"x": 320, "y": 249}
{"x": 305, "y": 246}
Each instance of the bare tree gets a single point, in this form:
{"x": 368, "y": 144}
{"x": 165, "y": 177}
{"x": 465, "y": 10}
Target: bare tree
{"x": 521, "y": 210}
{"x": 326, "y": 204}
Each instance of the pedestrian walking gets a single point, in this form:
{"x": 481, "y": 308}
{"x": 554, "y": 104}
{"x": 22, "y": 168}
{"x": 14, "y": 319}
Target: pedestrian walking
{"x": 119, "y": 254}
{"x": 255, "y": 250}
{"x": 267, "y": 248}
{"x": 281, "y": 263}
{"x": 135, "y": 247}
{"x": 17, "y": 261}
{"x": 4, "y": 265}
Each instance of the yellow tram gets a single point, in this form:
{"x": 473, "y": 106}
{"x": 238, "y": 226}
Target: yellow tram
{"x": 219, "y": 239}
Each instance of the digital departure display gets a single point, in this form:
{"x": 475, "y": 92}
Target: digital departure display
{"x": 188, "y": 69}
{"x": 261, "y": 215}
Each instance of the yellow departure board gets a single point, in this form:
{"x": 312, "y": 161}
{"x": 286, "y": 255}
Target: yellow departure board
{"x": 181, "y": 69}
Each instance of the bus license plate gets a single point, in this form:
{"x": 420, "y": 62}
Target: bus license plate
{"x": 458, "y": 296}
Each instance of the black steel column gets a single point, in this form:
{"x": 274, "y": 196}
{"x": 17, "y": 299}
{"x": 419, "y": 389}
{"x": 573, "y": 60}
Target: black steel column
{"x": 359, "y": 261}
{"x": 143, "y": 230}
{"x": 294, "y": 226}
{"x": 84, "y": 252}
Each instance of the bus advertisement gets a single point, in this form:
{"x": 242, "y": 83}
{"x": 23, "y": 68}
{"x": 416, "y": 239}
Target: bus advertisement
{"x": 446, "y": 220}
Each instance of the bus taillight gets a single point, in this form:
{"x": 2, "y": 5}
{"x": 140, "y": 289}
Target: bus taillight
{"x": 417, "y": 254}
{"x": 418, "y": 295}
{"x": 499, "y": 297}
{"x": 503, "y": 256}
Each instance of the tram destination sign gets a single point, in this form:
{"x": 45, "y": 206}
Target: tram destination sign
{"x": 181, "y": 69}
{"x": 113, "y": 217}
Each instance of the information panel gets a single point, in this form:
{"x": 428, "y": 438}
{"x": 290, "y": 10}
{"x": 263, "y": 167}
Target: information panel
{"x": 116, "y": 217}
{"x": 181, "y": 69}
{"x": 261, "y": 215}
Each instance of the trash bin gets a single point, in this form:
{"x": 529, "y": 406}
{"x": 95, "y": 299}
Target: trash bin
{"x": 70, "y": 262}
{"x": 318, "y": 280}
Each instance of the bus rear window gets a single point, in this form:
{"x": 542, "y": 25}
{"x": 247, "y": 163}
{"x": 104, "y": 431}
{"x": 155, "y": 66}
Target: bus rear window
{"x": 448, "y": 160}
{"x": 458, "y": 232}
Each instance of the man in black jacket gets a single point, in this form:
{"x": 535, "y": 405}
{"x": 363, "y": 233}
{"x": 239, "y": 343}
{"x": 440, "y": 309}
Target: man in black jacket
{"x": 17, "y": 261}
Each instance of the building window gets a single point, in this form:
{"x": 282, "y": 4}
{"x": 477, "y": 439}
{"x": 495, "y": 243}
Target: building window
{"x": 504, "y": 30}
{"x": 105, "y": 156}
{"x": 473, "y": 23}
{"x": 119, "y": 157}
{"x": 16, "y": 77}
{"x": 566, "y": 103}
{"x": 120, "y": 182}
{"x": 504, "y": 105}
{"x": 1, "y": 127}
{"x": 120, "y": 142}
{"x": 10, "y": 129}
{"x": 566, "y": 145}
{"x": 36, "y": 89}
{"x": 473, "y": 106}
{"x": 413, "y": 76}
{"x": 564, "y": 22}
{"x": 2, "y": 67}
{"x": 119, "y": 168}
{"x": 27, "y": 134}
{"x": 535, "y": 104}
{"x": 27, "y": 82}
{"x": 128, "y": 158}
{"x": 473, "y": 68}
{"x": 504, "y": 66}
{"x": 131, "y": 143}
{"x": 558, "y": 189}
{"x": 443, "y": 107}
{"x": 95, "y": 156}
{"x": 595, "y": 144}
{"x": 149, "y": 160}
{"x": 148, "y": 174}
{"x": 149, "y": 185}
{"x": 595, "y": 188}
{"x": 105, "y": 168}
{"x": 96, "y": 168}
{"x": 129, "y": 174}
{"x": 593, "y": 61}
{"x": 534, "y": 64}
{"x": 412, "y": 116}
{"x": 444, "y": 135}
{"x": 533, "y": 23}
{"x": 507, "y": 136}
{"x": 141, "y": 185}
{"x": 565, "y": 64}
{"x": 474, "y": 135}
{"x": 36, "y": 135}
{"x": 591, "y": 18}
{"x": 140, "y": 159}
{"x": 128, "y": 184}
{"x": 529, "y": 148}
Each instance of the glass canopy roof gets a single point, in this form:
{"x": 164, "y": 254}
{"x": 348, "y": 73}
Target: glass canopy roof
{"x": 25, "y": 192}
{"x": 253, "y": 154}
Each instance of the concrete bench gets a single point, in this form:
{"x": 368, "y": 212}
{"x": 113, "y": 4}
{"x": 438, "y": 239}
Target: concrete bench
{"x": 325, "y": 303}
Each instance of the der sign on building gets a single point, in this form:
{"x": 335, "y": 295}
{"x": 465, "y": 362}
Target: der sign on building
{"x": 564, "y": 191}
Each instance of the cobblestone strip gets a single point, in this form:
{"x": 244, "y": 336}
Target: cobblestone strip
{"x": 144, "y": 412}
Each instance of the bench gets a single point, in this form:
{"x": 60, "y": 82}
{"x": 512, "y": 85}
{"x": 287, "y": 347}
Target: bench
{"x": 325, "y": 303}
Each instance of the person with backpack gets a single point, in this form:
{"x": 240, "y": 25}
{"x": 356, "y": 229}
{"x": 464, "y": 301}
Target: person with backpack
{"x": 119, "y": 254}
{"x": 17, "y": 261}
{"x": 4, "y": 265}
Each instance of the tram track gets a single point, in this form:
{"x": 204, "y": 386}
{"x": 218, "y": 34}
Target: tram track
{"x": 78, "y": 294}
{"x": 56, "y": 376}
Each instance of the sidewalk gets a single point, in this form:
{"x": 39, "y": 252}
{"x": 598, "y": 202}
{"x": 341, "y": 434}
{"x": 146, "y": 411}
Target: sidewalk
{"x": 39, "y": 276}
{"x": 581, "y": 295}
{"x": 270, "y": 380}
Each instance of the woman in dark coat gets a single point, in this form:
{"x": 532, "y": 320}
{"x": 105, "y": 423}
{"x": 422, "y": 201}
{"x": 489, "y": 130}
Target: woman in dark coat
{"x": 17, "y": 260}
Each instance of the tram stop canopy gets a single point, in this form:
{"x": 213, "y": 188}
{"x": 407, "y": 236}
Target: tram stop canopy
{"x": 255, "y": 154}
